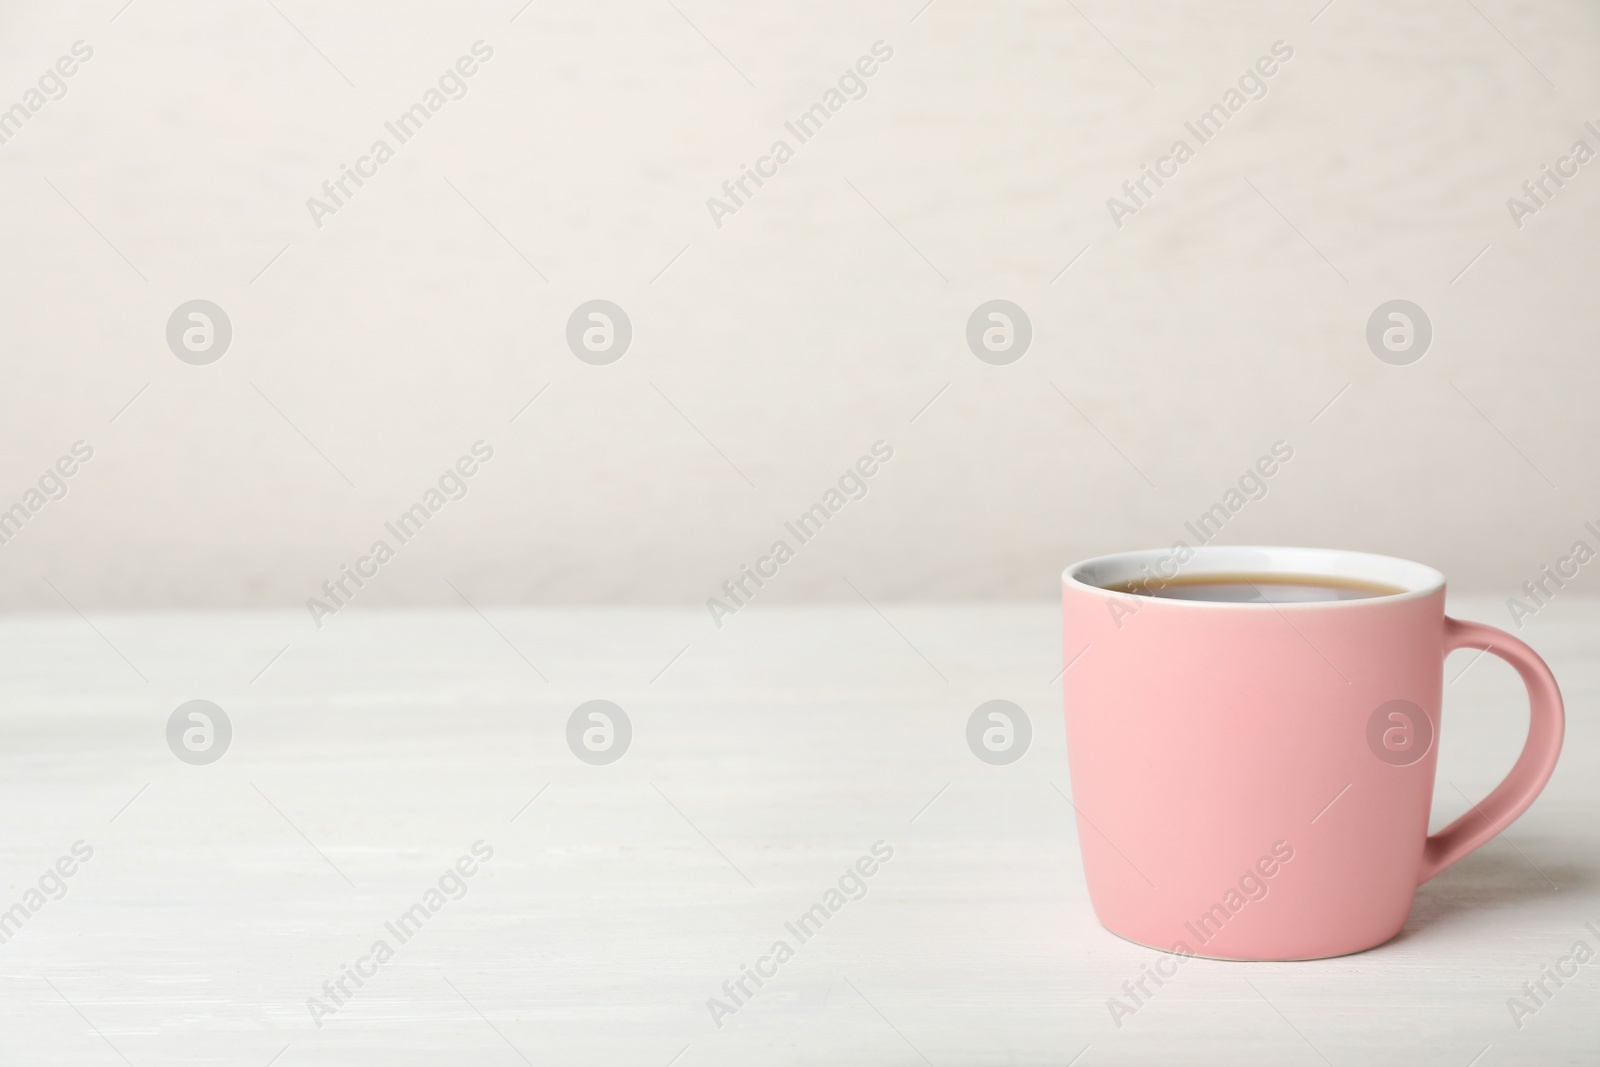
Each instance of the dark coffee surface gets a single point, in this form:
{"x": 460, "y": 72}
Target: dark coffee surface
{"x": 1257, "y": 588}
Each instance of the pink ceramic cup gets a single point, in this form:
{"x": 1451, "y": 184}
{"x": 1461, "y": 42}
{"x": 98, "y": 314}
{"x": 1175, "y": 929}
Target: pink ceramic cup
{"x": 1252, "y": 781}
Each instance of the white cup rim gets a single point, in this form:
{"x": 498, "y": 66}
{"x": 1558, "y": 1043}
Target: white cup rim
{"x": 1415, "y": 580}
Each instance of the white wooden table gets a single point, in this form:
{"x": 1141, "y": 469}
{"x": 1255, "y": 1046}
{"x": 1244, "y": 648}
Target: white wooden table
{"x": 765, "y": 760}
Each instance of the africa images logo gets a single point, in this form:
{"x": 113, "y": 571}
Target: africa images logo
{"x": 1399, "y": 733}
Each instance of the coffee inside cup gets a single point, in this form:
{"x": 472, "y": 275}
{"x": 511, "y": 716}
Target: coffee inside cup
{"x": 1256, "y": 588}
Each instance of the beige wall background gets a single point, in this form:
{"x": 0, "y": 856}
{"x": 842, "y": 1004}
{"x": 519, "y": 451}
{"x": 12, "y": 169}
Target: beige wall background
{"x": 827, "y": 313}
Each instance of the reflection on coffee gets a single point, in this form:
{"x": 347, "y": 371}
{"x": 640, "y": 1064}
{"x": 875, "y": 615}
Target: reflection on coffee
{"x": 1257, "y": 588}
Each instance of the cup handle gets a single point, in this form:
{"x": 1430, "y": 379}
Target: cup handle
{"x": 1546, "y": 723}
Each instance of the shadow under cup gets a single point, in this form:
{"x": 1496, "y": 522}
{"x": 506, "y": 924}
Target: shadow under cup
{"x": 1252, "y": 779}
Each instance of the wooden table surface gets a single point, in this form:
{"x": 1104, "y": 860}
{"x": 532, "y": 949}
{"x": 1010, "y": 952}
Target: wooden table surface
{"x": 766, "y": 758}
